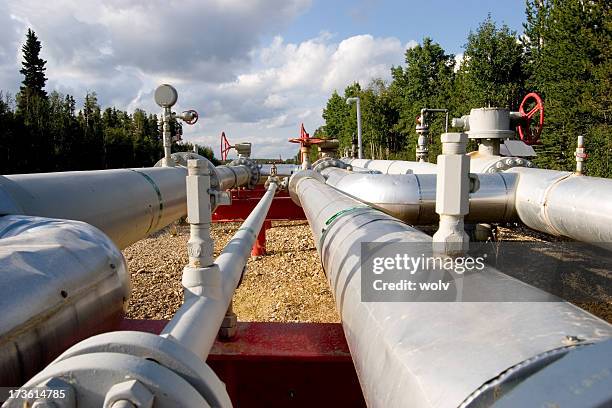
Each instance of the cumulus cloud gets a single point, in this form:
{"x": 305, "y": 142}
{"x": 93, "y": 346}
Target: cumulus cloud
{"x": 289, "y": 83}
{"x": 224, "y": 56}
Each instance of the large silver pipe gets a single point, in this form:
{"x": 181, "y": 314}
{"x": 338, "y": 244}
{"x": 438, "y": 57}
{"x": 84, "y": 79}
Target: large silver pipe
{"x": 239, "y": 173}
{"x": 412, "y": 197}
{"x": 427, "y": 354}
{"x": 393, "y": 166}
{"x": 479, "y": 163}
{"x": 62, "y": 281}
{"x": 196, "y": 324}
{"x": 126, "y": 204}
{"x": 233, "y": 176}
{"x": 563, "y": 203}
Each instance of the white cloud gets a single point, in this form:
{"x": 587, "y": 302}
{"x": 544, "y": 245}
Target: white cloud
{"x": 458, "y": 61}
{"x": 210, "y": 50}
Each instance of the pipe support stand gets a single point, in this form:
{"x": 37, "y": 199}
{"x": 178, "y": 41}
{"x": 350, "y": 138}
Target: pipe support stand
{"x": 452, "y": 195}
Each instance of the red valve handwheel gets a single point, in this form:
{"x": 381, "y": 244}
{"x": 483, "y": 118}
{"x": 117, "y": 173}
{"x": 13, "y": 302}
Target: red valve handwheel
{"x": 529, "y": 134}
{"x": 305, "y": 139}
{"x": 195, "y": 117}
{"x": 225, "y": 146}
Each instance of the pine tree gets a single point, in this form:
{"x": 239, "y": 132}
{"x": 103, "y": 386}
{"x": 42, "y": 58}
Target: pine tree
{"x": 33, "y": 67}
{"x": 492, "y": 72}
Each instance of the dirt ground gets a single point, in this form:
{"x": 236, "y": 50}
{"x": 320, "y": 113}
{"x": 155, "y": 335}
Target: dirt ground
{"x": 288, "y": 284}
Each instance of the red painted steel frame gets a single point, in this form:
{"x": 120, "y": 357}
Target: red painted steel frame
{"x": 281, "y": 364}
{"x": 243, "y": 202}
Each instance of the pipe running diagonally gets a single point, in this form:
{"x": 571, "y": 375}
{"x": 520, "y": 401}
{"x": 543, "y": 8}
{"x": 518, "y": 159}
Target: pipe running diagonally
{"x": 427, "y": 354}
{"x": 196, "y": 324}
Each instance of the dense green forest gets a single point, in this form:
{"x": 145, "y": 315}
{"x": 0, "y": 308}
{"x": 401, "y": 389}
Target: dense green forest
{"x": 564, "y": 54}
{"x": 42, "y": 132}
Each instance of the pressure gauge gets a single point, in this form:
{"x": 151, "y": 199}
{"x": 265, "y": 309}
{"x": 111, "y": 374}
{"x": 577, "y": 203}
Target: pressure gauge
{"x": 166, "y": 96}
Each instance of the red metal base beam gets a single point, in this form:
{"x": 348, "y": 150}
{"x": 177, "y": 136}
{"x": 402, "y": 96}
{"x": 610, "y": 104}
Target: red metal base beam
{"x": 243, "y": 202}
{"x": 281, "y": 364}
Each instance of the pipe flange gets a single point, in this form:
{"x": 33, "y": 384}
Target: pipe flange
{"x": 505, "y": 163}
{"x": 253, "y": 167}
{"x": 164, "y": 351}
{"x": 326, "y": 162}
{"x": 92, "y": 376}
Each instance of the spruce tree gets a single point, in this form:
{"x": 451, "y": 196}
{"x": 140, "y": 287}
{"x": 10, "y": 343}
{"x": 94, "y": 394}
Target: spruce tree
{"x": 33, "y": 66}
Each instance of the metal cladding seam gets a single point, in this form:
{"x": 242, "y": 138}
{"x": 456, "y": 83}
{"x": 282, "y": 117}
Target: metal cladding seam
{"x": 427, "y": 354}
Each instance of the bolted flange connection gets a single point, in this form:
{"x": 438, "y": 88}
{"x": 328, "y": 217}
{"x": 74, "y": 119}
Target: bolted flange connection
{"x": 120, "y": 368}
{"x": 127, "y": 394}
{"x": 326, "y": 162}
{"x": 253, "y": 167}
{"x": 452, "y": 195}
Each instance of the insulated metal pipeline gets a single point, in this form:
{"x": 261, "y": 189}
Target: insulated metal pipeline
{"x": 427, "y": 354}
{"x": 412, "y": 197}
{"x": 233, "y": 176}
{"x": 196, "y": 324}
{"x": 62, "y": 281}
{"x": 563, "y": 203}
{"x": 126, "y": 204}
{"x": 393, "y": 166}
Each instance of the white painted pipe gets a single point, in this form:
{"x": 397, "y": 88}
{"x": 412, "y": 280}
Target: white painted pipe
{"x": 196, "y": 324}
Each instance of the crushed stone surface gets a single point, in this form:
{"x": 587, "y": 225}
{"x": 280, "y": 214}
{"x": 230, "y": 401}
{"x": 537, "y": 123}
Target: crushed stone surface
{"x": 287, "y": 284}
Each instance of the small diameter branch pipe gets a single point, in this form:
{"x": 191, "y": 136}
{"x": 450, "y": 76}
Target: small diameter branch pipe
{"x": 196, "y": 324}
{"x": 167, "y": 161}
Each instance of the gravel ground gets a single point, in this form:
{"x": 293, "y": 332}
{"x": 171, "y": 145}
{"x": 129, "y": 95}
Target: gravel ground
{"x": 288, "y": 284}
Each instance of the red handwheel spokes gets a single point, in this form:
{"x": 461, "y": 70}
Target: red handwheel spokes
{"x": 191, "y": 117}
{"x": 528, "y": 133}
{"x": 225, "y": 146}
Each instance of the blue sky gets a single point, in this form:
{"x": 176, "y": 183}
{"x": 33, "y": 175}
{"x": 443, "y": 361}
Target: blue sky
{"x": 255, "y": 69}
{"x": 447, "y": 22}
